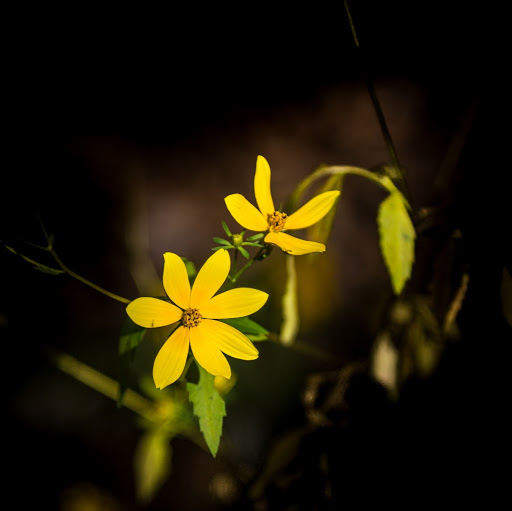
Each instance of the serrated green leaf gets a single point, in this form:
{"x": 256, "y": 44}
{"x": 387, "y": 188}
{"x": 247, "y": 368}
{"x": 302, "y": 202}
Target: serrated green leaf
{"x": 152, "y": 464}
{"x": 249, "y": 327}
{"x": 397, "y": 237}
{"x": 209, "y": 407}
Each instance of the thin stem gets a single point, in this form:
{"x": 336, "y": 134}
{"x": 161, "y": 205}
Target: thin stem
{"x": 341, "y": 170}
{"x": 378, "y": 109}
{"x": 351, "y": 23}
{"x": 76, "y": 276}
{"x": 359, "y": 171}
{"x": 71, "y": 273}
{"x": 247, "y": 265}
{"x": 235, "y": 257}
{"x": 183, "y": 377}
{"x": 259, "y": 255}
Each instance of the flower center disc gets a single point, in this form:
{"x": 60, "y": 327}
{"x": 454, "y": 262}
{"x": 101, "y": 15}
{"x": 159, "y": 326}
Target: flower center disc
{"x": 276, "y": 221}
{"x": 191, "y": 318}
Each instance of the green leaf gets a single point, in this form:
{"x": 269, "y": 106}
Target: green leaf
{"x": 38, "y": 266}
{"x": 397, "y": 237}
{"x": 130, "y": 337}
{"x": 222, "y": 247}
{"x": 249, "y": 327}
{"x": 221, "y": 241}
{"x": 243, "y": 252}
{"x": 226, "y": 229}
{"x": 209, "y": 407}
{"x": 191, "y": 269}
{"x": 255, "y": 237}
{"x": 152, "y": 463}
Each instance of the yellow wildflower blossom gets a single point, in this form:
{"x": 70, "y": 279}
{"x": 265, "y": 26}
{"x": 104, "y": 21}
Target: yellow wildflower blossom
{"x": 275, "y": 223}
{"x": 197, "y": 309}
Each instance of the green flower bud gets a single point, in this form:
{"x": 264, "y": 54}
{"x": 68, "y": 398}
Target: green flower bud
{"x": 237, "y": 240}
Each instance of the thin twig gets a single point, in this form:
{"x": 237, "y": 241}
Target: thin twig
{"x": 378, "y": 110}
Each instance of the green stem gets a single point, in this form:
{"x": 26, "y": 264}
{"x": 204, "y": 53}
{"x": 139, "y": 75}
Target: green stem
{"x": 101, "y": 383}
{"x": 76, "y": 276}
{"x": 183, "y": 377}
{"x": 259, "y": 255}
{"x": 329, "y": 170}
{"x": 247, "y": 265}
{"x": 71, "y": 273}
{"x": 235, "y": 257}
{"x": 378, "y": 109}
{"x": 387, "y": 184}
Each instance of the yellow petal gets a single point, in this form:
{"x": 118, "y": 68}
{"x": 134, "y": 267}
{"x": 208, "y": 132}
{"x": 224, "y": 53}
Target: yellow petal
{"x": 171, "y": 358}
{"x": 152, "y": 312}
{"x": 210, "y": 278}
{"x": 176, "y": 283}
{"x": 312, "y": 211}
{"x": 206, "y": 352}
{"x": 245, "y": 213}
{"x": 230, "y": 340}
{"x": 235, "y": 303}
{"x": 262, "y": 187}
{"x": 292, "y": 245}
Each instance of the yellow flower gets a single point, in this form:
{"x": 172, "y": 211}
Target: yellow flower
{"x": 197, "y": 310}
{"x": 267, "y": 219}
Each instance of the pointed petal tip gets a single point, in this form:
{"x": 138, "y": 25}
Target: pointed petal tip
{"x": 292, "y": 245}
{"x": 227, "y": 374}
{"x": 161, "y": 383}
{"x": 313, "y": 211}
{"x": 255, "y": 354}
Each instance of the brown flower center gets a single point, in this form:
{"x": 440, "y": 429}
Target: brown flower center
{"x": 191, "y": 318}
{"x": 276, "y": 221}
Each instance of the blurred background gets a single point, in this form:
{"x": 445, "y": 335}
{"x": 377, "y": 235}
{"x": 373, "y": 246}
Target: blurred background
{"x": 125, "y": 128}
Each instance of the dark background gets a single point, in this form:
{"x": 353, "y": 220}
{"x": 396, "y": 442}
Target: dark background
{"x": 108, "y": 109}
